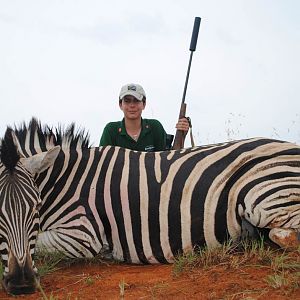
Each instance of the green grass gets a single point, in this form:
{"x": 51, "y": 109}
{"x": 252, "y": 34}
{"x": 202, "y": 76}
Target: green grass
{"x": 284, "y": 266}
{"x": 205, "y": 257}
{"x": 289, "y": 280}
{"x": 251, "y": 252}
{"x": 48, "y": 262}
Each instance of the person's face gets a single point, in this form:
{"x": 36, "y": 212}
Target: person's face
{"x": 132, "y": 107}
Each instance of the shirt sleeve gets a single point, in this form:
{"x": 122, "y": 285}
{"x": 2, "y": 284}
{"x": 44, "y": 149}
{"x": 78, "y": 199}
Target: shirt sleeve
{"x": 106, "y": 138}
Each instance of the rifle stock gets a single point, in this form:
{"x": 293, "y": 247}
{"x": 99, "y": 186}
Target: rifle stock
{"x": 180, "y": 136}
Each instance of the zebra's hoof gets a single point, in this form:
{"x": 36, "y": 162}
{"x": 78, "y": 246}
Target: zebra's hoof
{"x": 285, "y": 238}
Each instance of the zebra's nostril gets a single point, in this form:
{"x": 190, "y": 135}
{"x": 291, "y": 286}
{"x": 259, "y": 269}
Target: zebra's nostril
{"x": 14, "y": 288}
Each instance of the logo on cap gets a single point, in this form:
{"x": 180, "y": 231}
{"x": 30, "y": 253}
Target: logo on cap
{"x": 131, "y": 88}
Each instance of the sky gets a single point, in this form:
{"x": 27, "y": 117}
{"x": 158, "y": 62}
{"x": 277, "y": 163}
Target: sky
{"x": 65, "y": 61}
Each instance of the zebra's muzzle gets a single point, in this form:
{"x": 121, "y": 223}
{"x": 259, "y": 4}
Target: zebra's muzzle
{"x": 15, "y": 288}
{"x": 20, "y": 279}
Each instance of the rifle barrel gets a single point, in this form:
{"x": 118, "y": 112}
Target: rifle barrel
{"x": 179, "y": 137}
{"x": 192, "y": 49}
{"x": 187, "y": 77}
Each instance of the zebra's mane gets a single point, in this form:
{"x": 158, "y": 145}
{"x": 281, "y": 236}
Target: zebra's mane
{"x": 47, "y": 137}
{"x": 8, "y": 151}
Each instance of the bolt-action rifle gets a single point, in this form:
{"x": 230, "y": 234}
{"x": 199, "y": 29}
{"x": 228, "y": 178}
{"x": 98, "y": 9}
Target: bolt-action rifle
{"x": 180, "y": 136}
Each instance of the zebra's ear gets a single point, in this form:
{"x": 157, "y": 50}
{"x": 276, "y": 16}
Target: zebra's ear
{"x": 41, "y": 161}
{"x": 17, "y": 144}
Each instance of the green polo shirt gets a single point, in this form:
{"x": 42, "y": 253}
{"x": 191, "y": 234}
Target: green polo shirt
{"x": 152, "y": 136}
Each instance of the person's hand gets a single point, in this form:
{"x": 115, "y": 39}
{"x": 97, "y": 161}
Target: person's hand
{"x": 183, "y": 124}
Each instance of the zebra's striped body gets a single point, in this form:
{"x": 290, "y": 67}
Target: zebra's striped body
{"x": 148, "y": 207}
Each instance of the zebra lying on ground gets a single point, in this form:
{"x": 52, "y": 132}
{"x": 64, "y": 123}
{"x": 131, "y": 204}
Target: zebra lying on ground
{"x": 144, "y": 207}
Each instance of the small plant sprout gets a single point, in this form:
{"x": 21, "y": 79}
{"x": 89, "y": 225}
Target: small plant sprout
{"x": 89, "y": 280}
{"x": 122, "y": 286}
{"x": 277, "y": 280}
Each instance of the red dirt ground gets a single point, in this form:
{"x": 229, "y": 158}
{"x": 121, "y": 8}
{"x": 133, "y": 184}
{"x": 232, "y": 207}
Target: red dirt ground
{"x": 101, "y": 281}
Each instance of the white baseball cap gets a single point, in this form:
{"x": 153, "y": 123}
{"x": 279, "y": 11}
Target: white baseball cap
{"x": 134, "y": 90}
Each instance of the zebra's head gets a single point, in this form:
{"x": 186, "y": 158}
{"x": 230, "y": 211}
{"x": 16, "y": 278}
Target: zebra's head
{"x": 19, "y": 217}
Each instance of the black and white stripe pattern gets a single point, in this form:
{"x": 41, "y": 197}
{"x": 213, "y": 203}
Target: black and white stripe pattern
{"x": 19, "y": 221}
{"x": 148, "y": 207}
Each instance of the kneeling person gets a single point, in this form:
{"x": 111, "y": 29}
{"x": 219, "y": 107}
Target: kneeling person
{"x": 134, "y": 132}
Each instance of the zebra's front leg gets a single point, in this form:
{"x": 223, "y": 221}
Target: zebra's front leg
{"x": 71, "y": 242}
